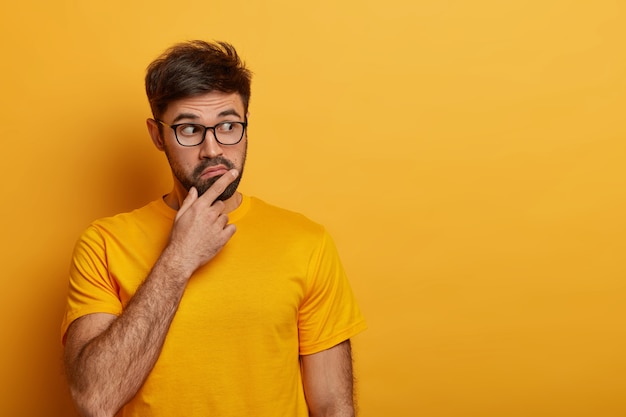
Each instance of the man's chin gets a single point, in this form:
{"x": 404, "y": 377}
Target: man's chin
{"x": 230, "y": 190}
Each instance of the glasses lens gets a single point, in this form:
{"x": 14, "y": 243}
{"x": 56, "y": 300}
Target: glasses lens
{"x": 189, "y": 134}
{"x": 228, "y": 133}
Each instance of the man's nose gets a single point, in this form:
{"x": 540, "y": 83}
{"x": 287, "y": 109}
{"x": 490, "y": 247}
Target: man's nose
{"x": 210, "y": 148}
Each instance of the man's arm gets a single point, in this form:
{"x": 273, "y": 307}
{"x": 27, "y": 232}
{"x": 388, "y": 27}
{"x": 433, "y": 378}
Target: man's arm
{"x": 328, "y": 382}
{"x": 108, "y": 358}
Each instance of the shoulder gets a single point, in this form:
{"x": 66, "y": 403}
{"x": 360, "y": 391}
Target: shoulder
{"x": 141, "y": 222}
{"x": 152, "y": 213}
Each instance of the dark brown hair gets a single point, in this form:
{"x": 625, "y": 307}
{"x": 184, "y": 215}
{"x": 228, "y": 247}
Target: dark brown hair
{"x": 196, "y": 67}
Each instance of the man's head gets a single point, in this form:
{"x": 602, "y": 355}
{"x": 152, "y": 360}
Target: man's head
{"x": 202, "y": 84}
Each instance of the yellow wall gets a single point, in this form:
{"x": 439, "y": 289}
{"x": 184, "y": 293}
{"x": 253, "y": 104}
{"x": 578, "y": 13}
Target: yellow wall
{"x": 468, "y": 157}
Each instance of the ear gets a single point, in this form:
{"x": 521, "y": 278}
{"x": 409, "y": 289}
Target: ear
{"x": 153, "y": 130}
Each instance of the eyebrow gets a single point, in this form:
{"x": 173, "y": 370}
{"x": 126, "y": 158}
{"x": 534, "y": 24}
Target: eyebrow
{"x": 227, "y": 112}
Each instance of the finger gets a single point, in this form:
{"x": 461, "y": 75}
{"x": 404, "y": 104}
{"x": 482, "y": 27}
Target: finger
{"x": 218, "y": 206}
{"x": 222, "y": 220}
{"x": 220, "y": 185}
{"x": 229, "y": 230}
{"x": 192, "y": 196}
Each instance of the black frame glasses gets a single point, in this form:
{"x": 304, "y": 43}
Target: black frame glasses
{"x": 215, "y": 129}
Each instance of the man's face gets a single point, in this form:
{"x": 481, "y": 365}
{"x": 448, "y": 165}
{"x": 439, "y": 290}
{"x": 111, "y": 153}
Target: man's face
{"x": 200, "y": 166}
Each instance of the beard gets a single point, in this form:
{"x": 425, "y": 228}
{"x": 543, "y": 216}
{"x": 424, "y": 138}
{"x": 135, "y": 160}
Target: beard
{"x": 202, "y": 185}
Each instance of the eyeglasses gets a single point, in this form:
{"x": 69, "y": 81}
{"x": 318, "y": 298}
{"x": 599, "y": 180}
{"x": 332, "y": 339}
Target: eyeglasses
{"x": 191, "y": 134}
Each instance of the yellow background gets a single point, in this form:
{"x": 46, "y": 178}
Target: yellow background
{"x": 467, "y": 156}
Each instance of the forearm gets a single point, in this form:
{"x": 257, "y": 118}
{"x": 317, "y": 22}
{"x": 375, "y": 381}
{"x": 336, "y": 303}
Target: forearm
{"x": 109, "y": 370}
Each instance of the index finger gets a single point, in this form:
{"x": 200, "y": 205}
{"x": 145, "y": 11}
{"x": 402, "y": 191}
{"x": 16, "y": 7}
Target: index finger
{"x": 219, "y": 186}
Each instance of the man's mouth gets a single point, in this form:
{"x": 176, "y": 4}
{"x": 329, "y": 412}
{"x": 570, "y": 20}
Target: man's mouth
{"x": 214, "y": 171}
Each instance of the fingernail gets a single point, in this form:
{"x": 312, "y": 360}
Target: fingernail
{"x": 234, "y": 172}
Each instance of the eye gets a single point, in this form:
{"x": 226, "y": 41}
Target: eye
{"x": 225, "y": 127}
{"x": 189, "y": 130}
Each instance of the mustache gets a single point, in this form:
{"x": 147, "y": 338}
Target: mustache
{"x": 206, "y": 163}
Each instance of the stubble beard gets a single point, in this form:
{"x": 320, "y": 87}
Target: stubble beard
{"x": 202, "y": 185}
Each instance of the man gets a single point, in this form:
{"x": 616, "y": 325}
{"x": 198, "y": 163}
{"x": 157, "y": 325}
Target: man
{"x": 207, "y": 302}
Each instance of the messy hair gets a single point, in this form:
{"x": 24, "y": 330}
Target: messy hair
{"x": 193, "y": 68}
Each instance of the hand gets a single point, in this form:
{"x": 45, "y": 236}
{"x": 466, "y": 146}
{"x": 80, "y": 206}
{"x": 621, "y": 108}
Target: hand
{"x": 201, "y": 227}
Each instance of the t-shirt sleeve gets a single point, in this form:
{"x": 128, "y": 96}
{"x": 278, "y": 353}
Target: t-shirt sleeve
{"x": 329, "y": 313}
{"x": 91, "y": 289}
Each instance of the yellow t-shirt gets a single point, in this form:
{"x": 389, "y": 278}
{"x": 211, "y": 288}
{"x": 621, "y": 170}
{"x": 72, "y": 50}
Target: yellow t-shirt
{"x": 277, "y": 290}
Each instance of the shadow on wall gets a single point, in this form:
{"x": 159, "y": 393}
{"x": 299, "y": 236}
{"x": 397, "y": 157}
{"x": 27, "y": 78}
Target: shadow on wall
{"x": 124, "y": 172}
{"x": 38, "y": 366}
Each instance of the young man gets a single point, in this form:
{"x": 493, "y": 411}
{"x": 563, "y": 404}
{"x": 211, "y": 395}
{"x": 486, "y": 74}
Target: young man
{"x": 207, "y": 302}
